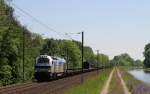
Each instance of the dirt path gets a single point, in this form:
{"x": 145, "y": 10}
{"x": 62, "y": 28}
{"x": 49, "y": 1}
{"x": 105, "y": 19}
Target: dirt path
{"x": 126, "y": 91}
{"x": 115, "y": 84}
{"x": 106, "y": 87}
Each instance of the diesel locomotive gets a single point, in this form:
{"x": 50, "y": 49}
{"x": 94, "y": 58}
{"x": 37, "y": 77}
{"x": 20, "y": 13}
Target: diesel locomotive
{"x": 49, "y": 67}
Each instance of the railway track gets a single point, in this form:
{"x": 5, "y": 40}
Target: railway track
{"x": 52, "y": 87}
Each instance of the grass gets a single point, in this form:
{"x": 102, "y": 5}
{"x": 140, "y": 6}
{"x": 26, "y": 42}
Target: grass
{"x": 91, "y": 86}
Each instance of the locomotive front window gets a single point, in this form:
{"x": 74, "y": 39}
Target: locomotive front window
{"x": 43, "y": 60}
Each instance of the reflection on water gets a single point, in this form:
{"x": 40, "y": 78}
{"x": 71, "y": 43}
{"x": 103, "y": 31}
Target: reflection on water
{"x": 141, "y": 75}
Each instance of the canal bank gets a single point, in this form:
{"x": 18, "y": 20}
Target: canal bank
{"x": 134, "y": 85}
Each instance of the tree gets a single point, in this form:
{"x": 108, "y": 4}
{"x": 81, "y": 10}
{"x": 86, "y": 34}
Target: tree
{"x": 73, "y": 53}
{"x": 147, "y": 56}
{"x": 51, "y": 47}
{"x": 123, "y": 60}
{"x": 9, "y": 44}
{"x": 102, "y": 59}
{"x": 138, "y": 63}
{"x": 6, "y": 74}
{"x": 11, "y": 47}
{"x": 88, "y": 54}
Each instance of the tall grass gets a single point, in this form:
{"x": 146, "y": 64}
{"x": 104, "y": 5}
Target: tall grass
{"x": 91, "y": 86}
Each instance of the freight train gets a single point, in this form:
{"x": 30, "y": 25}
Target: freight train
{"x": 47, "y": 67}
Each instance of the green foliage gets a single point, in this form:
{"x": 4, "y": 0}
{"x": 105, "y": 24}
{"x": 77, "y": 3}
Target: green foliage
{"x": 123, "y": 60}
{"x": 103, "y": 59}
{"x": 147, "y": 56}
{"x": 11, "y": 47}
{"x": 73, "y": 53}
{"x": 89, "y": 54}
{"x": 138, "y": 63}
{"x": 33, "y": 45}
{"x": 6, "y": 74}
{"x": 51, "y": 47}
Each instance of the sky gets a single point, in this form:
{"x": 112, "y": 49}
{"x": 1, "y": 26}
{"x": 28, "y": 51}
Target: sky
{"x": 110, "y": 26}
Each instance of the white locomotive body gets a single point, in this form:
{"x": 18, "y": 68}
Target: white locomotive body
{"x": 49, "y": 66}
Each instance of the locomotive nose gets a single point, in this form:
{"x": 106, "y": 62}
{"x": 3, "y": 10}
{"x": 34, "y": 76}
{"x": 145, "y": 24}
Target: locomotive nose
{"x": 42, "y": 72}
{"x": 43, "y": 68}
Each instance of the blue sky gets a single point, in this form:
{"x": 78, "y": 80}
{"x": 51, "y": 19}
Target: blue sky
{"x": 112, "y": 26}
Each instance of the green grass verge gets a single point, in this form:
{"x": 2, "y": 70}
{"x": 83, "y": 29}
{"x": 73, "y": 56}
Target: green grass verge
{"x": 91, "y": 86}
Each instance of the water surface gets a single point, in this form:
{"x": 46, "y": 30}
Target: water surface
{"x": 140, "y": 74}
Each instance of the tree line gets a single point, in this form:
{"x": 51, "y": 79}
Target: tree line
{"x": 14, "y": 38}
{"x": 126, "y": 60}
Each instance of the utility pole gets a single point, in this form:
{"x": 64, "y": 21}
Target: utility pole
{"x": 82, "y": 76}
{"x": 82, "y": 52}
{"x": 97, "y": 59}
{"x": 67, "y": 59}
{"x": 23, "y": 52}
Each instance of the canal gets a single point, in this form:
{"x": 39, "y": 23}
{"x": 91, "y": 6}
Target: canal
{"x": 140, "y": 74}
